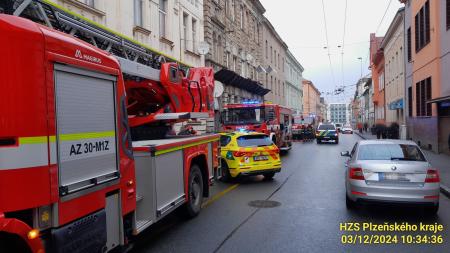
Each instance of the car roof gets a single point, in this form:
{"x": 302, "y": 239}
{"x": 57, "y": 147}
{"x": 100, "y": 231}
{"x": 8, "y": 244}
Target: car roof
{"x": 387, "y": 141}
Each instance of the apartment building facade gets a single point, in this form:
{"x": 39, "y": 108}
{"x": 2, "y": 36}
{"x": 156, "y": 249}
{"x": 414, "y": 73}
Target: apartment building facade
{"x": 294, "y": 87}
{"x": 173, "y": 28}
{"x": 337, "y": 113}
{"x": 311, "y": 99}
{"x": 274, "y": 54}
{"x": 427, "y": 25}
{"x": 378, "y": 78}
{"x": 233, "y": 29}
{"x": 393, "y": 45}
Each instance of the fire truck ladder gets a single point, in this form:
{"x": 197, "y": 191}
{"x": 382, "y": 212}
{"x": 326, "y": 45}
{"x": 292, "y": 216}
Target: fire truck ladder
{"x": 136, "y": 59}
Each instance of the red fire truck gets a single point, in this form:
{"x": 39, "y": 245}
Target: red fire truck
{"x": 271, "y": 119}
{"x": 84, "y": 162}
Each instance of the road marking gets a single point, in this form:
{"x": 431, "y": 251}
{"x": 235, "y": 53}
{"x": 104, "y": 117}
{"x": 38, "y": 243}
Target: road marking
{"x": 219, "y": 195}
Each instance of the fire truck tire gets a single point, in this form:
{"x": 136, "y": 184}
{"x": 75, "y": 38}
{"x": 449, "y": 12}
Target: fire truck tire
{"x": 13, "y": 243}
{"x": 195, "y": 191}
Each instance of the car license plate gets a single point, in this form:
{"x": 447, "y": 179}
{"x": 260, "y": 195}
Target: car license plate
{"x": 392, "y": 176}
{"x": 261, "y": 158}
{"x": 326, "y": 137}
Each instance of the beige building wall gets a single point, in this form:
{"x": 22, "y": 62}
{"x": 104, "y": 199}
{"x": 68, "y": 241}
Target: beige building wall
{"x": 159, "y": 24}
{"x": 393, "y": 45}
{"x": 274, "y": 55}
{"x": 311, "y": 99}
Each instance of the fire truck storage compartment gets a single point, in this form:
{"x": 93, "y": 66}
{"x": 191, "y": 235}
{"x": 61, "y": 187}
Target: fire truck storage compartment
{"x": 159, "y": 182}
{"x": 86, "y": 128}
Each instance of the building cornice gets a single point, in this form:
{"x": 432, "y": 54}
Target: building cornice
{"x": 396, "y": 23}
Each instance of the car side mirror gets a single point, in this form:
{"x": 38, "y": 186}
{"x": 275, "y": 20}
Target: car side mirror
{"x": 345, "y": 153}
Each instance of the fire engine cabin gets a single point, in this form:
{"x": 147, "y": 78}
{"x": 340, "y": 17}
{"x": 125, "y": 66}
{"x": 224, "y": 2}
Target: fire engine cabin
{"x": 271, "y": 119}
{"x": 71, "y": 178}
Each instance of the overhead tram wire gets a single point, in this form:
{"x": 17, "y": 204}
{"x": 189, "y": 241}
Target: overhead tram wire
{"x": 378, "y": 28}
{"x": 328, "y": 48}
{"x": 343, "y": 42}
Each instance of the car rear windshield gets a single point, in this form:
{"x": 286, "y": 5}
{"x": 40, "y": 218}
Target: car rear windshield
{"x": 395, "y": 152}
{"x": 254, "y": 141}
{"x": 326, "y": 127}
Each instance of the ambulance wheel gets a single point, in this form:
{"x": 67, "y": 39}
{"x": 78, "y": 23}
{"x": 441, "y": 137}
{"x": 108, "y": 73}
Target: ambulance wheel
{"x": 269, "y": 176}
{"x": 195, "y": 191}
{"x": 12, "y": 243}
{"x": 226, "y": 176}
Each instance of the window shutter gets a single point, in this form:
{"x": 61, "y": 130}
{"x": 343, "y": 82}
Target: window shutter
{"x": 409, "y": 44}
{"x": 416, "y": 33}
{"x": 410, "y": 102}
{"x": 418, "y": 99}
{"x": 448, "y": 14}
{"x": 427, "y": 22}
{"x": 428, "y": 95}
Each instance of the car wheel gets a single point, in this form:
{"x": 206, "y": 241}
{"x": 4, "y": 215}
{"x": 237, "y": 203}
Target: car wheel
{"x": 432, "y": 210}
{"x": 269, "y": 176}
{"x": 195, "y": 192}
{"x": 337, "y": 141}
{"x": 318, "y": 141}
{"x": 226, "y": 176}
{"x": 350, "y": 204}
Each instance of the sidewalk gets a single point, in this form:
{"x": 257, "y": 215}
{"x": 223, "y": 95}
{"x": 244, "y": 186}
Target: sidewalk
{"x": 440, "y": 161}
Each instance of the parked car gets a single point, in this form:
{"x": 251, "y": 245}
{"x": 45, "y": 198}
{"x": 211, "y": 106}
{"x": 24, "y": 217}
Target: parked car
{"x": 327, "y": 132}
{"x": 391, "y": 171}
{"x": 248, "y": 154}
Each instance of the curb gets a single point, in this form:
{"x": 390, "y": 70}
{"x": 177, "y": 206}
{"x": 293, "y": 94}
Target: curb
{"x": 444, "y": 189}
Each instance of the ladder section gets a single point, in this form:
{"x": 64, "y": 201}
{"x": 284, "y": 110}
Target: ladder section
{"x": 56, "y": 17}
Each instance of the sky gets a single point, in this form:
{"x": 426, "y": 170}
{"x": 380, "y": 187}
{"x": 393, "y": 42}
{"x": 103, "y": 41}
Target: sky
{"x": 301, "y": 24}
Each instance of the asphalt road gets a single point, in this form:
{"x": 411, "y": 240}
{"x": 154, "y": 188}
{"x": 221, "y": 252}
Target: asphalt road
{"x": 311, "y": 197}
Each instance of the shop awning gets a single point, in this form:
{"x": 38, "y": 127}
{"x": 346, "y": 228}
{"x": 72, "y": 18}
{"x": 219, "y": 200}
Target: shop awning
{"x": 439, "y": 100}
{"x": 229, "y": 77}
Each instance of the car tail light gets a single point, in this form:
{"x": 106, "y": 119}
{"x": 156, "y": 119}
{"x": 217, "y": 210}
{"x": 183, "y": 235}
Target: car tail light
{"x": 238, "y": 153}
{"x": 432, "y": 176}
{"x": 356, "y": 173}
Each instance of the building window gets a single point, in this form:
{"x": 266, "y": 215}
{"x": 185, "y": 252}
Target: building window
{"x": 422, "y": 25}
{"x": 423, "y": 94}
{"x": 410, "y": 102}
{"x": 242, "y": 17}
{"x": 267, "y": 50}
{"x": 194, "y": 36}
{"x": 138, "y": 13}
{"x": 162, "y": 18}
{"x": 185, "y": 30}
{"x": 234, "y": 63}
{"x": 90, "y": 3}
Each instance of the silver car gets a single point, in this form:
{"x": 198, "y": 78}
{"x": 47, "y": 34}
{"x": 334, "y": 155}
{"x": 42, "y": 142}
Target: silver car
{"x": 393, "y": 171}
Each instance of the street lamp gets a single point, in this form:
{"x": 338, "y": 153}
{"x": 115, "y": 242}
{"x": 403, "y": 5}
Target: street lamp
{"x": 360, "y": 59}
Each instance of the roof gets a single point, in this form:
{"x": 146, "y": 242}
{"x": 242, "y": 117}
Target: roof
{"x": 397, "y": 22}
{"x": 387, "y": 141}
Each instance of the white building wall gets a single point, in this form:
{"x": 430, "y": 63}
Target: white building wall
{"x": 122, "y": 16}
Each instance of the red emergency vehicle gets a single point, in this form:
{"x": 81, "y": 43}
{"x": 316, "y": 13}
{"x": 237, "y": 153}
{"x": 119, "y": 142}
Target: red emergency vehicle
{"x": 271, "y": 119}
{"x": 79, "y": 169}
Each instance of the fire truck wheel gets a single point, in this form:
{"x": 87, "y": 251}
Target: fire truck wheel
{"x": 12, "y": 243}
{"x": 195, "y": 191}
